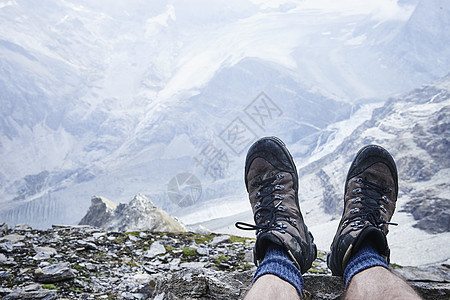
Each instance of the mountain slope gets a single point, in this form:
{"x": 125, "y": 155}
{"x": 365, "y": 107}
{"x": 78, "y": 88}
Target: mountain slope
{"x": 116, "y": 99}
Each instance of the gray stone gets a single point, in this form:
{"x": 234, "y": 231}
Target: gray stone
{"x": 155, "y": 249}
{"x": 4, "y": 275}
{"x": 6, "y": 246}
{"x": 432, "y": 291}
{"x": 32, "y": 287}
{"x": 202, "y": 251}
{"x": 98, "y": 235}
{"x": 13, "y": 238}
{"x": 44, "y": 253}
{"x": 90, "y": 266}
{"x": 193, "y": 265}
{"x": 23, "y": 227}
{"x": 54, "y": 273}
{"x": 41, "y": 294}
{"x": 430, "y": 273}
{"x": 202, "y": 284}
{"x": 6, "y": 261}
{"x": 87, "y": 245}
{"x": 220, "y": 239}
{"x": 18, "y": 245}
{"x": 3, "y": 258}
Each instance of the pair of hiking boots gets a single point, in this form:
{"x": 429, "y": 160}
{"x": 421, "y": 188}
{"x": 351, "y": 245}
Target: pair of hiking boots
{"x": 370, "y": 196}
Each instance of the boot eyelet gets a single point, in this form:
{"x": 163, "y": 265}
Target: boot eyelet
{"x": 292, "y": 221}
{"x": 355, "y": 210}
{"x": 356, "y": 200}
{"x": 282, "y": 208}
{"x": 356, "y": 223}
{"x": 385, "y": 199}
{"x": 279, "y": 187}
{"x": 278, "y": 197}
{"x": 358, "y": 180}
{"x": 357, "y": 191}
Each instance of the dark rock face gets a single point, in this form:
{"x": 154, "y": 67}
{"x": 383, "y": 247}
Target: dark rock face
{"x": 433, "y": 213}
{"x": 100, "y": 212}
{"x": 85, "y": 262}
{"x": 330, "y": 204}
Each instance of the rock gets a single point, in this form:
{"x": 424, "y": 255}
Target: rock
{"x": 32, "y": 287}
{"x": 100, "y": 212}
{"x": 22, "y": 227}
{"x": 432, "y": 213}
{"x": 193, "y": 265}
{"x": 98, "y": 235}
{"x": 6, "y": 246}
{"x": 220, "y": 239}
{"x": 87, "y": 245}
{"x": 155, "y": 249}
{"x": 201, "y": 284}
{"x": 44, "y": 253}
{"x": 436, "y": 291}
{"x": 40, "y": 294}
{"x": 13, "y": 238}
{"x": 430, "y": 273}
{"x": 139, "y": 214}
{"x": 116, "y": 271}
{"x": 4, "y": 260}
{"x": 54, "y": 273}
{"x": 3, "y": 229}
{"x": 4, "y": 275}
{"x": 202, "y": 251}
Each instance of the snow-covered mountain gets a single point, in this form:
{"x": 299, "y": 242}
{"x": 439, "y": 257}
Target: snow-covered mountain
{"x": 118, "y": 98}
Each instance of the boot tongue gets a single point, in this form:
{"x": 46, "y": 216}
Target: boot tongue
{"x": 372, "y": 195}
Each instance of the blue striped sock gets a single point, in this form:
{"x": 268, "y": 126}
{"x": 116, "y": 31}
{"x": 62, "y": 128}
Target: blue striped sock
{"x": 277, "y": 262}
{"x": 365, "y": 257}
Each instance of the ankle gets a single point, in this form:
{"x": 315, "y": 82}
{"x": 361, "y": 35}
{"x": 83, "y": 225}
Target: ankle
{"x": 365, "y": 257}
{"x": 277, "y": 262}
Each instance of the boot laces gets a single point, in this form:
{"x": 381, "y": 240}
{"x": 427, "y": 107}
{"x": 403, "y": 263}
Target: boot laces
{"x": 372, "y": 198}
{"x": 269, "y": 211}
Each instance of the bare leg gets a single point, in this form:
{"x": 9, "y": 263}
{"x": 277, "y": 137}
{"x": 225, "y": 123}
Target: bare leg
{"x": 272, "y": 287}
{"x": 379, "y": 283}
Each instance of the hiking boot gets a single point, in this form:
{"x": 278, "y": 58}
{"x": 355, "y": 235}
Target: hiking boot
{"x": 272, "y": 183}
{"x": 370, "y": 196}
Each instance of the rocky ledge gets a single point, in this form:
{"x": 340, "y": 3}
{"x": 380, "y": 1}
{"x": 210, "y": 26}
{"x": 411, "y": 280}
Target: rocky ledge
{"x": 84, "y": 262}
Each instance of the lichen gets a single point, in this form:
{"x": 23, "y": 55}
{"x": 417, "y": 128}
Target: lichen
{"x": 189, "y": 251}
{"x": 49, "y": 286}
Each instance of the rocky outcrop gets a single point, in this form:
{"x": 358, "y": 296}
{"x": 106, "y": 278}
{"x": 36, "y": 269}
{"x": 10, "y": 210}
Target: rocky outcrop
{"x": 432, "y": 213}
{"x": 100, "y": 212}
{"x": 84, "y": 262}
{"x": 139, "y": 214}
